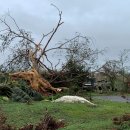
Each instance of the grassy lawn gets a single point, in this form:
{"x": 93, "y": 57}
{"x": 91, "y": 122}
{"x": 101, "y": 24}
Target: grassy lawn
{"x": 77, "y": 116}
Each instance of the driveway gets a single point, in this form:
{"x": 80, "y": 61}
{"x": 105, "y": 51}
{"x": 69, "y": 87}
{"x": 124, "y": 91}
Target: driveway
{"x": 114, "y": 98}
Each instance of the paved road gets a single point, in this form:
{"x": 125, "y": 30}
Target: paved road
{"x": 114, "y": 98}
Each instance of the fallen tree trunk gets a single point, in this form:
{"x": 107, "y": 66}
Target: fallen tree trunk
{"x": 35, "y": 81}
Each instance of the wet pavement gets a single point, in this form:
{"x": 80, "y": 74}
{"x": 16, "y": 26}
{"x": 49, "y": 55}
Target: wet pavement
{"x": 114, "y": 98}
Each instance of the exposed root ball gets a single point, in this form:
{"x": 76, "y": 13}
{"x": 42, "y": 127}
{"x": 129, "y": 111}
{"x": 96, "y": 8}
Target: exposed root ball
{"x": 35, "y": 80}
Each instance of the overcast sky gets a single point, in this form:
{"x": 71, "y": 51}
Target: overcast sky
{"x": 107, "y": 22}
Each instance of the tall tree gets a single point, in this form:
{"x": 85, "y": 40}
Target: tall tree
{"x": 80, "y": 59}
{"x": 123, "y": 59}
{"x": 111, "y": 69}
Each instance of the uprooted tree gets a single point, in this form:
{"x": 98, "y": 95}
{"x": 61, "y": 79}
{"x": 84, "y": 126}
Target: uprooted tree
{"x": 27, "y": 56}
{"x": 26, "y": 53}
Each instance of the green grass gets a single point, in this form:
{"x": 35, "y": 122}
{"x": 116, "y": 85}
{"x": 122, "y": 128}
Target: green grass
{"x": 77, "y": 116}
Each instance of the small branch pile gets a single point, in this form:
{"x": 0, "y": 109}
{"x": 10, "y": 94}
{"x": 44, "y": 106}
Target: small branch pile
{"x": 47, "y": 123}
{"x": 123, "y": 119}
{"x": 122, "y": 122}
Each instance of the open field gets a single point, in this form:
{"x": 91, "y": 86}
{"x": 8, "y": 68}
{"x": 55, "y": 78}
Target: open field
{"x": 77, "y": 116}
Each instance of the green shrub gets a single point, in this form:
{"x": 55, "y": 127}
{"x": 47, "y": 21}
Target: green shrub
{"x": 125, "y": 126}
{"x": 17, "y": 90}
{"x": 73, "y": 89}
{"x": 4, "y": 77}
{"x": 5, "y": 90}
{"x": 19, "y": 95}
{"x": 32, "y": 93}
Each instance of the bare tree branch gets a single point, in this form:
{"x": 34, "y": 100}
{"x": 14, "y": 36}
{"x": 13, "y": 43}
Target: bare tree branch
{"x": 54, "y": 31}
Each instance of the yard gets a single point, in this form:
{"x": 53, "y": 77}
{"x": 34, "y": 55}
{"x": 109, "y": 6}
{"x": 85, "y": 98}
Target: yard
{"x": 77, "y": 116}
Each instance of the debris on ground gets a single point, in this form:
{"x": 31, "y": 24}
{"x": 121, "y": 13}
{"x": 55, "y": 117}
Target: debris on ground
{"x": 73, "y": 99}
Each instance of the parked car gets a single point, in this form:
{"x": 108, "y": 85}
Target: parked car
{"x": 88, "y": 86}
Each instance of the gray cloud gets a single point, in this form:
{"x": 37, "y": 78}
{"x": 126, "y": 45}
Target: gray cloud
{"x": 106, "y": 22}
